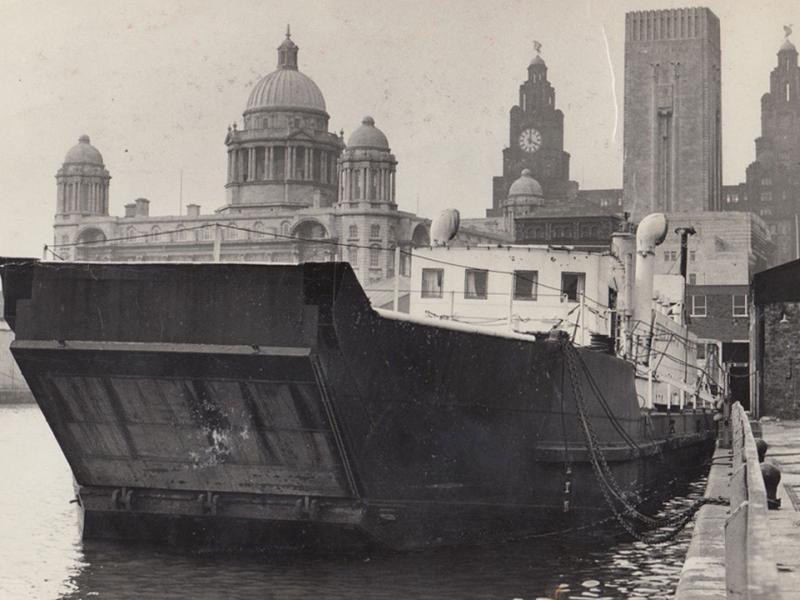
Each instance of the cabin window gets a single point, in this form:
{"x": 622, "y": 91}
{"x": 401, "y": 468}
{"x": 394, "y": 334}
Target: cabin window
{"x": 476, "y": 282}
{"x": 739, "y": 305}
{"x": 525, "y": 283}
{"x": 572, "y": 286}
{"x": 698, "y": 306}
{"x": 432, "y": 283}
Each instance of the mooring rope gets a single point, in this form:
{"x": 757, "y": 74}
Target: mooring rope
{"x": 625, "y": 512}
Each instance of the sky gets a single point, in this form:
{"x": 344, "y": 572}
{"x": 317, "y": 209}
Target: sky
{"x": 155, "y": 85}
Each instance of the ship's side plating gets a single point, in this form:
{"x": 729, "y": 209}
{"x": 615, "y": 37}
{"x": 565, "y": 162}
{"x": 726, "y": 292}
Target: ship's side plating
{"x": 259, "y": 404}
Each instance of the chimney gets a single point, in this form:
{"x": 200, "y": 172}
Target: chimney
{"x": 192, "y": 210}
{"x": 130, "y": 210}
{"x": 142, "y": 207}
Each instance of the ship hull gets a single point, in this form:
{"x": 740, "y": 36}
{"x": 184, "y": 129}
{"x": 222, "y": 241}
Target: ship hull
{"x": 270, "y": 407}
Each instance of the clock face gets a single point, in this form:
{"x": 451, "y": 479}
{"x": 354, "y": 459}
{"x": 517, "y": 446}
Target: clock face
{"x": 530, "y": 140}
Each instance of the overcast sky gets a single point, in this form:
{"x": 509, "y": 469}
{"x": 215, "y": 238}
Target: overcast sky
{"x": 155, "y": 85}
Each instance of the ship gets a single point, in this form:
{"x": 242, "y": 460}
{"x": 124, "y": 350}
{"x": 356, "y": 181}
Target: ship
{"x": 270, "y": 406}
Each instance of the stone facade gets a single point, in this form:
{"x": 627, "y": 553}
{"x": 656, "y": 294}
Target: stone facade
{"x": 673, "y": 139}
{"x": 294, "y": 192}
{"x": 772, "y": 186}
{"x": 780, "y": 355}
{"x": 536, "y": 141}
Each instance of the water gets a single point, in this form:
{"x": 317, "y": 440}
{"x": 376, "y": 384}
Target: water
{"x": 42, "y": 557}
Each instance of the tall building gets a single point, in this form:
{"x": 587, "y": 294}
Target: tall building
{"x": 294, "y": 192}
{"x": 284, "y": 156}
{"x": 672, "y": 145}
{"x": 284, "y": 201}
{"x": 772, "y": 187}
{"x": 536, "y": 140}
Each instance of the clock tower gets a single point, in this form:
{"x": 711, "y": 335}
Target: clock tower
{"x": 536, "y": 139}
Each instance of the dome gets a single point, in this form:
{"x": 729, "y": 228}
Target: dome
{"x": 787, "y": 46}
{"x": 525, "y": 186}
{"x": 538, "y": 60}
{"x": 286, "y": 87}
{"x": 84, "y": 152}
{"x": 368, "y": 136}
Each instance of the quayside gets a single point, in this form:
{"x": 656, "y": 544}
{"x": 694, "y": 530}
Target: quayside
{"x": 270, "y": 406}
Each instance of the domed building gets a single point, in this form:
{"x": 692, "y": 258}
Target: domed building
{"x": 82, "y": 181}
{"x": 524, "y": 196}
{"x": 284, "y": 155}
{"x": 294, "y": 192}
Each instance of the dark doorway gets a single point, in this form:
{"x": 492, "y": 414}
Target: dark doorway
{"x": 739, "y": 384}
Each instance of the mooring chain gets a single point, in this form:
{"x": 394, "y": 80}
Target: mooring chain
{"x": 610, "y": 487}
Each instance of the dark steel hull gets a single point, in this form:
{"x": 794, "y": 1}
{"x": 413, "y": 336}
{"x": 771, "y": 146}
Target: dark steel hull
{"x": 270, "y": 406}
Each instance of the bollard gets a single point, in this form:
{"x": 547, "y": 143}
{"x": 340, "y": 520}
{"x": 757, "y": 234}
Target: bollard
{"x": 772, "y": 477}
{"x": 761, "y": 448}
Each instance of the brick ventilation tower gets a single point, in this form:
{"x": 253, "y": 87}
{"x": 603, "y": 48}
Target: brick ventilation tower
{"x": 673, "y": 139}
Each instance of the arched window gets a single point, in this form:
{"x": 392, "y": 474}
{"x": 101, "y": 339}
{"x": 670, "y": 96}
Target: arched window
{"x": 374, "y": 256}
{"x": 285, "y": 228}
{"x": 180, "y": 233}
{"x": 258, "y": 234}
{"x": 130, "y": 233}
{"x": 375, "y": 232}
{"x": 155, "y": 234}
{"x": 353, "y": 232}
{"x": 787, "y": 91}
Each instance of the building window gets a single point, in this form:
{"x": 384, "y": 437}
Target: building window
{"x": 374, "y": 256}
{"x": 692, "y": 279}
{"x": 476, "y": 282}
{"x": 432, "y": 283}
{"x": 666, "y": 256}
{"x": 525, "y": 283}
{"x": 572, "y": 286}
{"x": 285, "y": 228}
{"x": 739, "y": 305}
{"x": 375, "y": 232}
{"x": 390, "y": 264}
{"x": 698, "y": 308}
{"x": 766, "y": 181}
{"x": 766, "y": 196}
{"x": 701, "y": 350}
{"x": 787, "y": 91}
{"x": 353, "y": 232}
{"x": 352, "y": 256}
{"x": 692, "y": 255}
